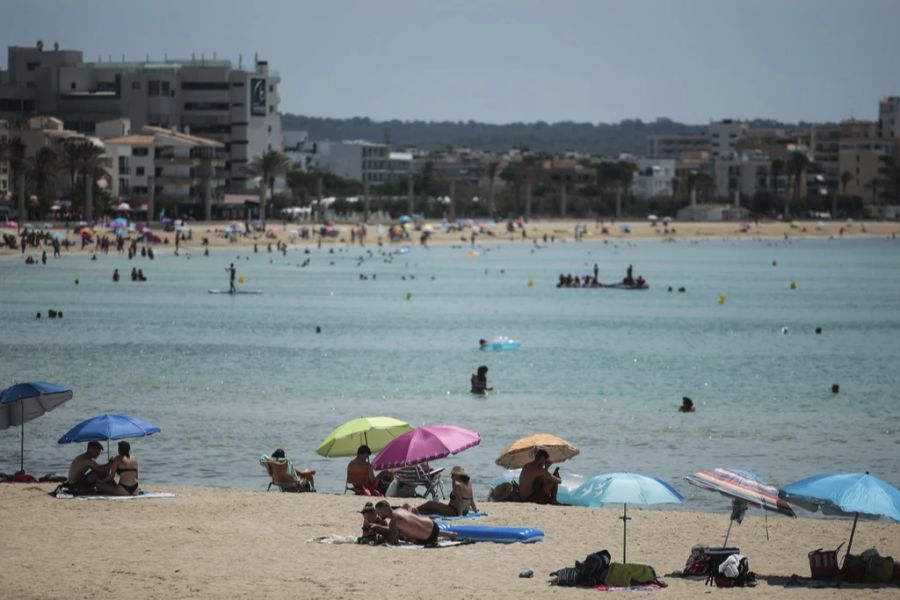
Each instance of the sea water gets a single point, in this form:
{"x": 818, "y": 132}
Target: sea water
{"x": 228, "y": 378}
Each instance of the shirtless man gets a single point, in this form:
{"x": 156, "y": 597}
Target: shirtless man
{"x": 536, "y": 483}
{"x": 402, "y": 522}
{"x": 84, "y": 472}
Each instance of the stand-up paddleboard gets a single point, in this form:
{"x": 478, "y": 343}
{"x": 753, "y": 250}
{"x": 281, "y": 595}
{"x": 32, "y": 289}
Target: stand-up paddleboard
{"x": 230, "y": 293}
{"x": 493, "y": 533}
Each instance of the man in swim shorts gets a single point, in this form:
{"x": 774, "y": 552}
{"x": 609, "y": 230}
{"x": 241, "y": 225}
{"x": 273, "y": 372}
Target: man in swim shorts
{"x": 84, "y": 472}
{"x": 536, "y": 483}
{"x": 402, "y": 522}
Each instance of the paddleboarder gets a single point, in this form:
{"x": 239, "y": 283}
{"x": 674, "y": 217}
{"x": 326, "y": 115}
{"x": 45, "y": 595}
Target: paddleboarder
{"x": 231, "y": 273}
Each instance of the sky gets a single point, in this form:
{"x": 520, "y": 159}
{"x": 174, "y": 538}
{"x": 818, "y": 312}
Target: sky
{"x": 501, "y": 61}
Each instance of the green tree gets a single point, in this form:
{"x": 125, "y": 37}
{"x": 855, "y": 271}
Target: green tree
{"x": 776, "y": 169}
{"x": 92, "y": 167}
{"x": 40, "y": 171}
{"x": 69, "y": 155}
{"x": 267, "y": 167}
{"x": 15, "y": 155}
{"x": 797, "y": 165}
{"x": 492, "y": 168}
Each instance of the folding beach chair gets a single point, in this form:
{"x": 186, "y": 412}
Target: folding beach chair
{"x": 408, "y": 479}
{"x": 286, "y": 479}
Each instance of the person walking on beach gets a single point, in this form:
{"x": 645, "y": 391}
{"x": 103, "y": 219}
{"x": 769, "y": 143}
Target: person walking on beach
{"x": 231, "y": 273}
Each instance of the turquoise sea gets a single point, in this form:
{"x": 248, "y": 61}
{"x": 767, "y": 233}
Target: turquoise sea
{"x": 230, "y": 378}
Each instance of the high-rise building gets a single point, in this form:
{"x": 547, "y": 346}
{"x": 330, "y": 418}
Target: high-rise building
{"x": 723, "y": 137}
{"x": 889, "y": 118}
{"x": 215, "y": 99}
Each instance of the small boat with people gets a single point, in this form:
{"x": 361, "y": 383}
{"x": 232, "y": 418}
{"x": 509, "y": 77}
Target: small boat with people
{"x": 629, "y": 282}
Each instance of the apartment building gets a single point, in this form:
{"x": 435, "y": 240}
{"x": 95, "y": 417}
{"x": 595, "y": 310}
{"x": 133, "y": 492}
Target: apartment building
{"x": 231, "y": 104}
{"x": 825, "y": 146}
{"x": 723, "y": 137}
{"x": 745, "y": 174}
{"x": 362, "y": 161}
{"x": 164, "y": 166}
{"x": 654, "y": 178}
{"x": 675, "y": 144}
{"x": 863, "y": 159}
{"x": 889, "y": 118}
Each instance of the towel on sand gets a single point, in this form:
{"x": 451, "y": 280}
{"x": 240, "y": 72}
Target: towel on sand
{"x": 350, "y": 539}
{"x": 140, "y": 496}
{"x": 630, "y": 588}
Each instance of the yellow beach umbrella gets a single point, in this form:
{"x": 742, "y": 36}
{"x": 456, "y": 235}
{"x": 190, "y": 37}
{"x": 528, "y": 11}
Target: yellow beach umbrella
{"x": 521, "y": 451}
{"x": 374, "y": 432}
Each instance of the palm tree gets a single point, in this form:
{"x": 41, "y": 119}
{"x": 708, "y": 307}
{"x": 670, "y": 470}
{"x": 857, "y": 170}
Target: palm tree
{"x": 267, "y": 167}
{"x": 874, "y": 184}
{"x": 797, "y": 165}
{"x": 40, "y": 170}
{"x": 92, "y": 167}
{"x": 15, "y": 155}
{"x": 492, "y": 168}
{"x": 776, "y": 168}
{"x": 69, "y": 161}
{"x": 846, "y": 178}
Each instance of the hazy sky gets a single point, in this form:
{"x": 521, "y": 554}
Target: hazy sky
{"x": 504, "y": 60}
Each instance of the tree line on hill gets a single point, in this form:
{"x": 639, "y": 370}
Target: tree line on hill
{"x": 604, "y": 139}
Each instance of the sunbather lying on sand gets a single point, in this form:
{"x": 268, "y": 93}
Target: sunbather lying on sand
{"x": 462, "y": 498}
{"x": 413, "y": 527}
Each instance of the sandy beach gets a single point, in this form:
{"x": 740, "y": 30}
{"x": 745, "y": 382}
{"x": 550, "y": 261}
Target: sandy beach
{"x": 561, "y": 230}
{"x": 227, "y": 543}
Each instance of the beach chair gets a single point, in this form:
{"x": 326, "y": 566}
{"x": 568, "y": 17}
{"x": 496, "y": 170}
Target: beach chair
{"x": 408, "y": 480}
{"x": 285, "y": 478}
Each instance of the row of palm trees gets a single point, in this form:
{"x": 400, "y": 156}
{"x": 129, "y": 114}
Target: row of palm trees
{"x": 38, "y": 175}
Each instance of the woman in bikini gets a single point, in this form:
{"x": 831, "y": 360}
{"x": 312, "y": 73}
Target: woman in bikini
{"x": 462, "y": 498}
{"x": 126, "y": 467}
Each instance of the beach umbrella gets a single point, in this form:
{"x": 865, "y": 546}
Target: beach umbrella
{"x": 521, "y": 451}
{"x": 9, "y": 223}
{"x": 405, "y": 218}
{"x": 625, "y": 488}
{"x": 374, "y": 432}
{"x": 425, "y": 443}
{"x": 123, "y": 206}
{"x": 744, "y": 488}
{"x": 845, "y": 494}
{"x": 23, "y": 402}
{"x": 108, "y": 427}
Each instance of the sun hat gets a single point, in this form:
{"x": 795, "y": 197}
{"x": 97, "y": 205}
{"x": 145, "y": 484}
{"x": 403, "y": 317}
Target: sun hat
{"x": 458, "y": 470}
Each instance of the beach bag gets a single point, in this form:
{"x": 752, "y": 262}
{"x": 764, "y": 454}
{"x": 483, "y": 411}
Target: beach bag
{"x": 879, "y": 569}
{"x": 823, "y": 564}
{"x": 566, "y": 577}
{"x": 734, "y": 572}
{"x": 717, "y": 556}
{"x": 854, "y": 569}
{"x": 628, "y": 574}
{"x": 697, "y": 563}
{"x": 593, "y": 570}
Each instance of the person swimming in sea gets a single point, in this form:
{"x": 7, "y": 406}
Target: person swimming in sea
{"x": 687, "y": 405}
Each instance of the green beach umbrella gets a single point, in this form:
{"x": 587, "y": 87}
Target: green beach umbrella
{"x": 375, "y": 432}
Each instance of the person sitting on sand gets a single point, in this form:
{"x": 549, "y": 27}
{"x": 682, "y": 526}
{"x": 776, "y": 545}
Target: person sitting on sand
{"x": 403, "y": 522}
{"x": 462, "y": 498}
{"x": 479, "y": 381}
{"x": 361, "y": 475}
{"x": 687, "y": 405}
{"x": 126, "y": 467}
{"x": 370, "y": 517}
{"x": 85, "y": 471}
{"x": 536, "y": 483}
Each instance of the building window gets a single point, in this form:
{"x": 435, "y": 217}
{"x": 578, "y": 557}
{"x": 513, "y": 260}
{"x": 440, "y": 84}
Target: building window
{"x": 237, "y": 84}
{"x": 204, "y": 85}
{"x": 142, "y": 151}
{"x": 135, "y": 85}
{"x": 72, "y": 86}
{"x": 237, "y": 105}
{"x": 153, "y": 88}
{"x": 32, "y": 66}
{"x": 271, "y": 109}
{"x": 205, "y": 106}
{"x": 158, "y": 171}
{"x": 165, "y": 87}
{"x": 139, "y": 170}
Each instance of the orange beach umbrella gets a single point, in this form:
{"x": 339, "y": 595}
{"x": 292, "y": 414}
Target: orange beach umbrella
{"x": 521, "y": 451}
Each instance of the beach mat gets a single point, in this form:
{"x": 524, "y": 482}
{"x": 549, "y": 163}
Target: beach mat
{"x": 629, "y": 588}
{"x": 471, "y": 515}
{"x": 140, "y": 496}
{"x": 350, "y": 539}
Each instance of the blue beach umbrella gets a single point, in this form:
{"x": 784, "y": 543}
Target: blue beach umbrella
{"x": 627, "y": 488}
{"x": 108, "y": 427}
{"x": 23, "y": 402}
{"x": 845, "y": 494}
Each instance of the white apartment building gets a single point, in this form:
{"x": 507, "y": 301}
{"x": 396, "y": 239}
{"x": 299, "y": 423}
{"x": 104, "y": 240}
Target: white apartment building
{"x": 745, "y": 173}
{"x": 362, "y": 161}
{"x": 723, "y": 137}
{"x": 674, "y": 144}
{"x": 232, "y": 104}
{"x": 654, "y": 178}
{"x": 165, "y": 166}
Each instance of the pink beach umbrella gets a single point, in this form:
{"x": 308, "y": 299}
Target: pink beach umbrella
{"x": 425, "y": 443}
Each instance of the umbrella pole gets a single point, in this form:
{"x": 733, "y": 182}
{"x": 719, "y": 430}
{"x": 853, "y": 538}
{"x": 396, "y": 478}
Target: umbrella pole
{"x": 22, "y": 440}
{"x": 727, "y": 533}
{"x": 625, "y": 518}
{"x": 852, "y": 532}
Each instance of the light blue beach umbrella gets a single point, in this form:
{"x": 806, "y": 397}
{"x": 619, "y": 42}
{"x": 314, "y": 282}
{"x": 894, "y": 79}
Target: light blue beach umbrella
{"x": 845, "y": 494}
{"x": 627, "y": 488}
{"x": 23, "y": 402}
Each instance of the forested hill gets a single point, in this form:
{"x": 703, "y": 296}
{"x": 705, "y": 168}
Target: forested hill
{"x": 600, "y": 138}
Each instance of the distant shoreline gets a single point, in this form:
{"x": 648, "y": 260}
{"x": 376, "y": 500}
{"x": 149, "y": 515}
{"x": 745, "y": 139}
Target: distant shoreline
{"x": 558, "y": 230}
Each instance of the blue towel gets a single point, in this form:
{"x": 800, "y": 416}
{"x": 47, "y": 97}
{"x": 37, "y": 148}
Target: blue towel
{"x": 471, "y": 515}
